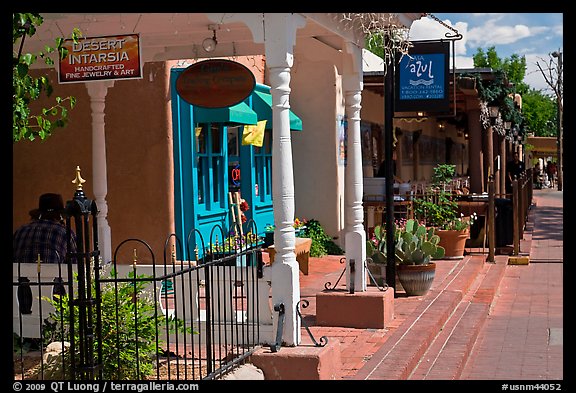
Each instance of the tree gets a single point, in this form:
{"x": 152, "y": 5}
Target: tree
{"x": 26, "y": 88}
{"x": 552, "y": 73}
{"x": 539, "y": 112}
{"x": 553, "y": 77}
{"x": 514, "y": 66}
{"x": 488, "y": 59}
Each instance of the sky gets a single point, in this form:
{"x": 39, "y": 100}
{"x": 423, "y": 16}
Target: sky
{"x": 533, "y": 35}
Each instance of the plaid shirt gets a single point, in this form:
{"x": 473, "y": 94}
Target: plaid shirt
{"x": 44, "y": 237}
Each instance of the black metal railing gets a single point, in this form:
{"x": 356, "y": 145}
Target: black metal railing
{"x": 176, "y": 320}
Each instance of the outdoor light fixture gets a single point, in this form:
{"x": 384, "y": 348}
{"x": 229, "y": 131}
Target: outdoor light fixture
{"x": 493, "y": 110}
{"x": 209, "y": 44}
{"x": 507, "y": 125}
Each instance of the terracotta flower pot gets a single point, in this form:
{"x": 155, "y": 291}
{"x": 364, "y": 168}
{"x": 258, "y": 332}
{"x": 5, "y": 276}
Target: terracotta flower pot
{"x": 416, "y": 279}
{"x": 453, "y": 242}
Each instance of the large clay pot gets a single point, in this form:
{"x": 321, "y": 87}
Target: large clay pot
{"x": 416, "y": 279}
{"x": 453, "y": 242}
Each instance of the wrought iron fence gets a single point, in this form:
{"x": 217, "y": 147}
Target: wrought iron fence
{"x": 140, "y": 319}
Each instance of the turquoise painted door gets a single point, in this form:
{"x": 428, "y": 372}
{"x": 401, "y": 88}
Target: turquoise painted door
{"x": 209, "y": 162}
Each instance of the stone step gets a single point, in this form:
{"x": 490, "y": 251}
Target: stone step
{"x": 434, "y": 342}
{"x": 448, "y": 354}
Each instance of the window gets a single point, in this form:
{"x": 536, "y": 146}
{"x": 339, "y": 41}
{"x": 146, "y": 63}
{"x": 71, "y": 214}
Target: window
{"x": 234, "y": 158}
{"x": 263, "y": 168}
{"x": 210, "y": 165}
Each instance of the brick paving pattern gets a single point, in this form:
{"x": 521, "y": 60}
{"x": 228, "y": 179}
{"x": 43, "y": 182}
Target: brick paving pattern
{"x": 479, "y": 321}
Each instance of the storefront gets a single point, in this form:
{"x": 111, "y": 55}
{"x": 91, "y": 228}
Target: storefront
{"x": 212, "y": 164}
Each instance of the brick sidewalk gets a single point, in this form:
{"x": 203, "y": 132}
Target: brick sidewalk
{"x": 508, "y": 317}
{"x": 523, "y": 335}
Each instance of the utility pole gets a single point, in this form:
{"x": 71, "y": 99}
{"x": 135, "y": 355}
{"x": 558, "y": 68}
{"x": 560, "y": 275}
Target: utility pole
{"x": 560, "y": 126}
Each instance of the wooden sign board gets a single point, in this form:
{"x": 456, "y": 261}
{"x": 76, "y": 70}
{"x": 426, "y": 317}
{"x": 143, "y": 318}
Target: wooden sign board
{"x": 215, "y": 83}
{"x": 101, "y": 58}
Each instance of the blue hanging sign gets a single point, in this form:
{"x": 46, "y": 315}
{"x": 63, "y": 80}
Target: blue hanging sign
{"x": 422, "y": 79}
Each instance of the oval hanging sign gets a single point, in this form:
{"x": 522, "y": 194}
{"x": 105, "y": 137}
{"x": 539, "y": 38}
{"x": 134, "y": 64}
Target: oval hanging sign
{"x": 215, "y": 83}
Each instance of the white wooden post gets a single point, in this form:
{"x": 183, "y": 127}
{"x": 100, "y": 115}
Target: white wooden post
{"x": 278, "y": 33}
{"x": 355, "y": 237}
{"x": 97, "y": 92}
{"x": 279, "y": 39}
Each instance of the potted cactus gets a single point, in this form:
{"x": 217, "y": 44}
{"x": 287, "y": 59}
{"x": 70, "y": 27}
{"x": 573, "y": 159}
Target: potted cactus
{"x": 415, "y": 248}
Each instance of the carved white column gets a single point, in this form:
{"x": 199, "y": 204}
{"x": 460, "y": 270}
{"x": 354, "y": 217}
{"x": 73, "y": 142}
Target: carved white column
{"x": 97, "y": 92}
{"x": 279, "y": 39}
{"x": 278, "y": 33}
{"x": 355, "y": 237}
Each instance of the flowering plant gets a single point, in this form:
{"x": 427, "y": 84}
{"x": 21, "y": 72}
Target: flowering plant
{"x": 244, "y": 206}
{"x": 298, "y": 225}
{"x": 461, "y": 223}
{"x": 236, "y": 242}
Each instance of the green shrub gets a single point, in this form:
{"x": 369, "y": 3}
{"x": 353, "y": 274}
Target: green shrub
{"x": 443, "y": 173}
{"x": 436, "y": 209}
{"x": 322, "y": 244}
{"x": 122, "y": 345}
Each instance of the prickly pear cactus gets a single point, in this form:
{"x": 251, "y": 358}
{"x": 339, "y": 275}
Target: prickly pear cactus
{"x": 414, "y": 244}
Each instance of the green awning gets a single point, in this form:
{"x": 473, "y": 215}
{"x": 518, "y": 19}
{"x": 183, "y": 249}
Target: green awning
{"x": 262, "y": 104}
{"x": 236, "y": 114}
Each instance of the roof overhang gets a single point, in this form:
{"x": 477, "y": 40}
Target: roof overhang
{"x": 543, "y": 146}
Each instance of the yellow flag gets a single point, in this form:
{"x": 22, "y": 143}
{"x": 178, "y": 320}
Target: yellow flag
{"x": 254, "y": 135}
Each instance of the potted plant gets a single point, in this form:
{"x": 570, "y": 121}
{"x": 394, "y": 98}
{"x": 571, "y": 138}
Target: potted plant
{"x": 415, "y": 247}
{"x": 443, "y": 174}
{"x": 235, "y": 247}
{"x": 453, "y": 235}
{"x": 299, "y": 230}
{"x": 438, "y": 209}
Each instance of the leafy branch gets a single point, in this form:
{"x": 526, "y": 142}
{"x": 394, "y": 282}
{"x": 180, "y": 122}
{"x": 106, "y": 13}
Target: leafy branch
{"x": 26, "y": 88}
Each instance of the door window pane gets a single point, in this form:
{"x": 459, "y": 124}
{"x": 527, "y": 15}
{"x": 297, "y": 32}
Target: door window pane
{"x": 216, "y": 136}
{"x": 200, "y": 132}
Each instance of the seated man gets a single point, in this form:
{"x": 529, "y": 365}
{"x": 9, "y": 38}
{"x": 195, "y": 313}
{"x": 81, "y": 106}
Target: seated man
{"x": 44, "y": 235}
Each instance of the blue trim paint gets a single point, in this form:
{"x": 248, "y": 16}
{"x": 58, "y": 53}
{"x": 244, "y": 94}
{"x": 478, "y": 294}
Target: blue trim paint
{"x": 192, "y": 215}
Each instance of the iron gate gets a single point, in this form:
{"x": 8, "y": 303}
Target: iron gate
{"x": 138, "y": 319}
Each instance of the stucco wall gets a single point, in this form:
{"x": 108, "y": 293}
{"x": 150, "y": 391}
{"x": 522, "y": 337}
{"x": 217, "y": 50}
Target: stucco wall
{"x": 140, "y": 169}
{"x": 372, "y": 107}
{"x": 317, "y": 175}
{"x": 138, "y": 154}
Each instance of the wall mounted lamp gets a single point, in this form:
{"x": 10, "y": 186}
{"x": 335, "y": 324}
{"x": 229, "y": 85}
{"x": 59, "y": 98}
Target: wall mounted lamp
{"x": 493, "y": 110}
{"x": 209, "y": 44}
